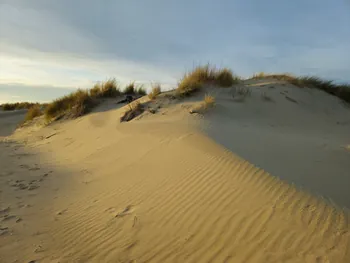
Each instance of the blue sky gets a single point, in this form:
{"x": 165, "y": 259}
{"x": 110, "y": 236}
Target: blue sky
{"x": 50, "y": 47}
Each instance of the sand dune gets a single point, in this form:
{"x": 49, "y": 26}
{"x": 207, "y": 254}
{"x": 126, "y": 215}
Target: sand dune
{"x": 161, "y": 189}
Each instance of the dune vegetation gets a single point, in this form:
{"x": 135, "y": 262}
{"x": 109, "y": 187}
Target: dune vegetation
{"x": 82, "y": 102}
{"x": 201, "y": 75}
{"x": 17, "y": 106}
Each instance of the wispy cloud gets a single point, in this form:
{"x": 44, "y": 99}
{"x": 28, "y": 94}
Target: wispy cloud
{"x": 75, "y": 43}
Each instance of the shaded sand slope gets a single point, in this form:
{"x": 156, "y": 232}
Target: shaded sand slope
{"x": 299, "y": 135}
{"x": 158, "y": 190}
{"x": 9, "y": 121}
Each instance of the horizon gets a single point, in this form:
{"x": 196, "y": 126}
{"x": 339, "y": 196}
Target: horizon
{"x": 49, "y": 49}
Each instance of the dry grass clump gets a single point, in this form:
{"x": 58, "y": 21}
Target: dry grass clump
{"x": 129, "y": 89}
{"x": 135, "y": 109}
{"x": 156, "y": 90}
{"x": 141, "y": 91}
{"x": 73, "y": 105}
{"x": 108, "y": 89}
{"x": 342, "y": 91}
{"x": 17, "y": 106}
{"x": 33, "y": 112}
{"x": 208, "y": 102}
{"x": 132, "y": 89}
{"x": 195, "y": 79}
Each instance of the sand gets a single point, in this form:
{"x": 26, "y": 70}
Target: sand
{"x": 164, "y": 188}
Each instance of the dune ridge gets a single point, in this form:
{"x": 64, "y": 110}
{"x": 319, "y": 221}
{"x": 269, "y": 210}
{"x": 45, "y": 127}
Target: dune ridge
{"x": 157, "y": 189}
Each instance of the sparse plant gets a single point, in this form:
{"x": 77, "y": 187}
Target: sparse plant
{"x": 209, "y": 100}
{"x": 156, "y": 90}
{"x": 141, "y": 91}
{"x": 33, "y": 112}
{"x": 240, "y": 93}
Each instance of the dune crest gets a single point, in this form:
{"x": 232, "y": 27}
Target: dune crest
{"x": 155, "y": 189}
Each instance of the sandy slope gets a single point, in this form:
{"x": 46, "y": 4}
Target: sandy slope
{"x": 154, "y": 190}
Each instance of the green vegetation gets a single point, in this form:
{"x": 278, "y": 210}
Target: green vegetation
{"x": 201, "y": 75}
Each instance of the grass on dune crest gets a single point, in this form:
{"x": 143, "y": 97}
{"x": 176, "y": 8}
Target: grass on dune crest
{"x": 156, "y": 90}
{"x": 75, "y": 104}
{"x": 194, "y": 80}
{"x": 106, "y": 89}
{"x": 33, "y": 112}
{"x": 82, "y": 102}
{"x": 133, "y": 89}
{"x": 342, "y": 91}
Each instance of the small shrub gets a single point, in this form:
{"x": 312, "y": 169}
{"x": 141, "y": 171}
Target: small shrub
{"x": 156, "y": 90}
{"x": 141, "y": 91}
{"x": 110, "y": 89}
{"x": 130, "y": 89}
{"x": 95, "y": 91}
{"x": 33, "y": 112}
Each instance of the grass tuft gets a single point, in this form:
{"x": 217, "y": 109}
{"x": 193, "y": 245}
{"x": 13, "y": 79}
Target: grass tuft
{"x": 141, "y": 91}
{"x": 109, "y": 89}
{"x": 75, "y": 104}
{"x": 201, "y": 75}
{"x": 130, "y": 89}
{"x": 33, "y": 112}
{"x": 209, "y": 101}
{"x": 156, "y": 90}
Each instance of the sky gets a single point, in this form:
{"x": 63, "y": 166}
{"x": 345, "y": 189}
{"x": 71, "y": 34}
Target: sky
{"x": 49, "y": 48}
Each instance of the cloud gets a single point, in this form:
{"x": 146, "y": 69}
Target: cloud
{"x": 76, "y": 43}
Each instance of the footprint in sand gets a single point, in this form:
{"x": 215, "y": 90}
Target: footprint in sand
{"x": 126, "y": 211}
{"x": 4, "y": 231}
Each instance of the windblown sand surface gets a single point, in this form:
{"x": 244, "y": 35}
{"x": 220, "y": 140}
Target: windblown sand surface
{"x": 158, "y": 189}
